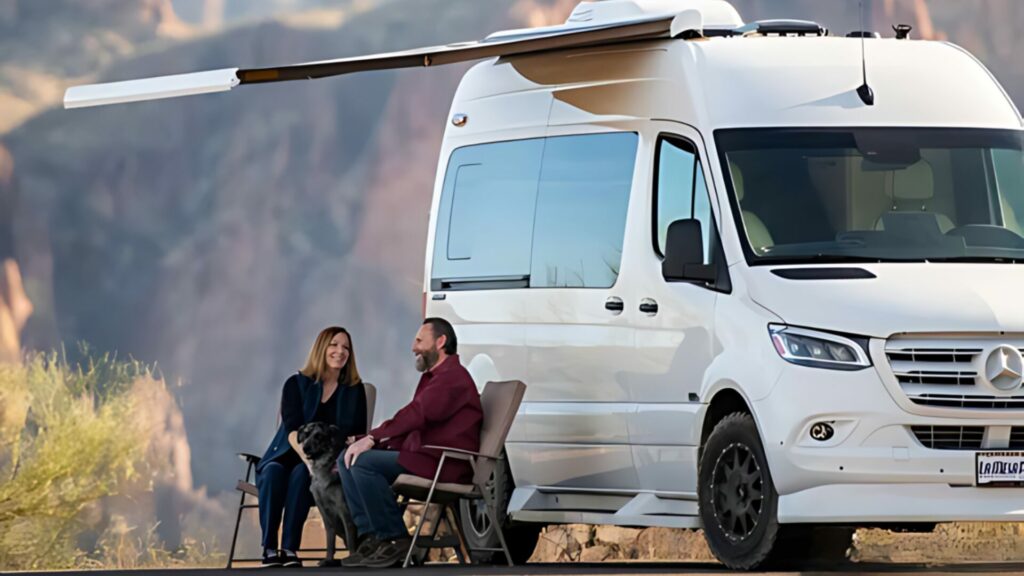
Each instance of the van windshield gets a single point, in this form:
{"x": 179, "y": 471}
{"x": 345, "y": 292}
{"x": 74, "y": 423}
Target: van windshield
{"x": 876, "y": 195}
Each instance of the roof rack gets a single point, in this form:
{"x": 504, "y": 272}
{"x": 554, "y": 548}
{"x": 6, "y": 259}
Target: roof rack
{"x": 781, "y": 28}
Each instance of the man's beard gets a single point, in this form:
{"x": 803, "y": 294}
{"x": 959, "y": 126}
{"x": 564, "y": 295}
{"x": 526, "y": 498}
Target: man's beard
{"x": 426, "y": 360}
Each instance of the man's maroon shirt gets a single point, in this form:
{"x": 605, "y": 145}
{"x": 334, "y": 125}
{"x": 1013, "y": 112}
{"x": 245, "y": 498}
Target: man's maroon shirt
{"x": 445, "y": 411}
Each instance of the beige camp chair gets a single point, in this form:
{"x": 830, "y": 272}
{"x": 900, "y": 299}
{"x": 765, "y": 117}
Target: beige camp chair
{"x": 248, "y": 488}
{"x": 500, "y": 401}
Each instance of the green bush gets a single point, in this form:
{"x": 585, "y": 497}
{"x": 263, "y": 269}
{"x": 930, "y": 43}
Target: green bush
{"x": 69, "y": 437}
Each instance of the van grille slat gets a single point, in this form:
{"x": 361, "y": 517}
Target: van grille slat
{"x": 950, "y": 437}
{"x": 942, "y": 372}
{"x": 1017, "y": 438}
{"x": 964, "y": 401}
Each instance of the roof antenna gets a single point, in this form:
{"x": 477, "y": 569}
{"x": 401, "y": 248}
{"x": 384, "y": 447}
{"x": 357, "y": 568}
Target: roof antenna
{"x": 867, "y": 95}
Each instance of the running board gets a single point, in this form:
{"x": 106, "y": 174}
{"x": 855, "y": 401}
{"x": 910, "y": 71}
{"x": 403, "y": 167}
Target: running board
{"x": 553, "y": 517}
{"x": 646, "y": 509}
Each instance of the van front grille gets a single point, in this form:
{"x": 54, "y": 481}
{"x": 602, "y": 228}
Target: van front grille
{"x": 944, "y": 372}
{"x": 1016, "y": 438}
{"x": 949, "y": 437}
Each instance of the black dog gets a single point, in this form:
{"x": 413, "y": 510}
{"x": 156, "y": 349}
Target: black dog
{"x": 322, "y": 444}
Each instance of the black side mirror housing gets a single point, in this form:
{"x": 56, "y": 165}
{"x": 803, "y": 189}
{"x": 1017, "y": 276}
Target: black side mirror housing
{"x": 684, "y": 253}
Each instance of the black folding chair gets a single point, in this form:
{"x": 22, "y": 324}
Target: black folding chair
{"x": 247, "y": 487}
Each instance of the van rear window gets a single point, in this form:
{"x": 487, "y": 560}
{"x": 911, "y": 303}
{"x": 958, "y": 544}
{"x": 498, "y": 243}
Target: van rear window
{"x": 540, "y": 213}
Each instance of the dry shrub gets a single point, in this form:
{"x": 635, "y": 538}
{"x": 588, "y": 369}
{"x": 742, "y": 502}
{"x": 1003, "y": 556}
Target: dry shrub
{"x": 73, "y": 435}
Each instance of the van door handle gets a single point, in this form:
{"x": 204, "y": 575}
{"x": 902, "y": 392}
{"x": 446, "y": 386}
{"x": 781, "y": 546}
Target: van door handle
{"x": 614, "y": 304}
{"x": 649, "y": 306}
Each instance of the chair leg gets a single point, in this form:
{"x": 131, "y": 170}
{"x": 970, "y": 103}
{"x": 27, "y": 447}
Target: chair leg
{"x": 460, "y": 525}
{"x": 426, "y": 507}
{"x": 492, "y": 511}
{"x": 419, "y": 527}
{"x": 234, "y": 539}
{"x": 461, "y": 550}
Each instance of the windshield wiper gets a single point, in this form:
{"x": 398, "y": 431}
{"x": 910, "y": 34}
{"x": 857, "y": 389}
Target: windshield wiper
{"x": 978, "y": 259}
{"x": 832, "y": 259}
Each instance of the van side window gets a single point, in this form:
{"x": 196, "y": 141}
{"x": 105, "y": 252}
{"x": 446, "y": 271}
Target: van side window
{"x": 680, "y": 192}
{"x": 487, "y": 208}
{"x": 581, "y": 210}
{"x": 540, "y": 213}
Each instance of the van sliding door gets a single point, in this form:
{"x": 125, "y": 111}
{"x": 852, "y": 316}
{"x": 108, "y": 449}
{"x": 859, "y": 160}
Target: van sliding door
{"x": 526, "y": 258}
{"x": 578, "y": 336}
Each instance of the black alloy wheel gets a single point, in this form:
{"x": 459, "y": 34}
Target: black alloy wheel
{"x": 736, "y": 496}
{"x": 738, "y": 499}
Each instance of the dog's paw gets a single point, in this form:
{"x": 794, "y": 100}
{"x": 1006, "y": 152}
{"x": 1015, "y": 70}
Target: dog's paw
{"x": 329, "y": 564}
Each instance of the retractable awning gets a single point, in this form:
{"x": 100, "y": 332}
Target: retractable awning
{"x": 518, "y": 43}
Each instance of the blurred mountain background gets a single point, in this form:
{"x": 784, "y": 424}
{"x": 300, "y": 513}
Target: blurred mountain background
{"x": 214, "y": 236}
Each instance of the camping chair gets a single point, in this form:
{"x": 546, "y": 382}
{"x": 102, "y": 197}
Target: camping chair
{"x": 500, "y": 402}
{"x": 248, "y": 488}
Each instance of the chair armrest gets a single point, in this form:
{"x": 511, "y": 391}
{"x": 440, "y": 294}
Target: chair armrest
{"x": 250, "y": 458}
{"x": 460, "y": 453}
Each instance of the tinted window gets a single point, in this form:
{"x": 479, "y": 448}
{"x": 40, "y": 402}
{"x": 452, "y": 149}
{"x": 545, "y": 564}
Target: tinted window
{"x": 543, "y": 212}
{"x": 487, "y": 209}
{"x": 681, "y": 192}
{"x": 877, "y": 194}
{"x": 581, "y": 210}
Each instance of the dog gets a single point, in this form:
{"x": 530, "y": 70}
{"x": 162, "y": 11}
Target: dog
{"x": 322, "y": 444}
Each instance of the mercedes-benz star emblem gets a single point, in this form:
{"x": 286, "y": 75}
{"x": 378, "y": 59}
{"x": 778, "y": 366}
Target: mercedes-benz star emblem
{"x": 1004, "y": 368}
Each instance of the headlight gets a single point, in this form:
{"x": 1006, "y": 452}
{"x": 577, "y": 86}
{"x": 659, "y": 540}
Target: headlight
{"x": 818, "y": 349}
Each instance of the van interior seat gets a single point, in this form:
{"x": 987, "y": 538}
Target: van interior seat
{"x": 911, "y": 190}
{"x": 757, "y": 233}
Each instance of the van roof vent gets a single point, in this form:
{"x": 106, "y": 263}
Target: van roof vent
{"x": 716, "y": 13}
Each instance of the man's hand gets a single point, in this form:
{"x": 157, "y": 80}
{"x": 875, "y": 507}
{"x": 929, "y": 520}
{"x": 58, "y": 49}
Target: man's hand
{"x": 357, "y": 448}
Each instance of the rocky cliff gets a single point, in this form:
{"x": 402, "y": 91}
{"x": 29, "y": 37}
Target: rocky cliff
{"x": 217, "y": 235}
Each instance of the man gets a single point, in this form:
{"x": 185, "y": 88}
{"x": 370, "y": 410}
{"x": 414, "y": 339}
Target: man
{"x": 445, "y": 411}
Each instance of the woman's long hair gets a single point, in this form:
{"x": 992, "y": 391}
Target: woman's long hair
{"x": 316, "y": 364}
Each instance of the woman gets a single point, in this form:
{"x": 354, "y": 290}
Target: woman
{"x": 327, "y": 390}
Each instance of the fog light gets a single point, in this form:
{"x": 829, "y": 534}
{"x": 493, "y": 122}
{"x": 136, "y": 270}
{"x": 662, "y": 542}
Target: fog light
{"x": 822, "y": 431}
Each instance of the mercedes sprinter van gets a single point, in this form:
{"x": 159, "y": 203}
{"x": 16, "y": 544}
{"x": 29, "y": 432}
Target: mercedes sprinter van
{"x": 743, "y": 296}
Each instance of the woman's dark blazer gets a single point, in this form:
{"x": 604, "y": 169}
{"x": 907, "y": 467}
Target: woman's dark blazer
{"x": 299, "y": 401}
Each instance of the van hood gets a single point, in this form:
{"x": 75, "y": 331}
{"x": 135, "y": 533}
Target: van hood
{"x": 917, "y": 297}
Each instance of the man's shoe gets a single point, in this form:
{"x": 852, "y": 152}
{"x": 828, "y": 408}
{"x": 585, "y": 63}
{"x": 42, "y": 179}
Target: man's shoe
{"x": 271, "y": 559}
{"x": 391, "y": 553}
{"x": 290, "y": 560}
{"x": 366, "y": 548}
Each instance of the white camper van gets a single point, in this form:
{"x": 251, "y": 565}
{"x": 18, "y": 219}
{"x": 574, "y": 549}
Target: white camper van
{"x": 757, "y": 277}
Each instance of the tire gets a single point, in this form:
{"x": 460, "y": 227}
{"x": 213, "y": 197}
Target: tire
{"x": 478, "y": 532}
{"x": 737, "y": 499}
{"x": 760, "y": 541}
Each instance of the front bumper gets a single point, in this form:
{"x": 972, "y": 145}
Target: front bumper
{"x": 873, "y": 469}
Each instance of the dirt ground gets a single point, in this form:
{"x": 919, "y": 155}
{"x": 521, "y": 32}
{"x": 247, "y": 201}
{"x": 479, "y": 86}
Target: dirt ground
{"x": 949, "y": 543}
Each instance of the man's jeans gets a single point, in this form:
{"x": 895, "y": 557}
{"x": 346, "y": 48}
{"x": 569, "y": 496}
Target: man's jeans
{"x": 367, "y": 487}
{"x": 285, "y": 488}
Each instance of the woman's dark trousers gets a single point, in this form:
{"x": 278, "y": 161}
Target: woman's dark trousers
{"x": 283, "y": 488}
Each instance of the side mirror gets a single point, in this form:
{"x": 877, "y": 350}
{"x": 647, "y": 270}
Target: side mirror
{"x": 684, "y": 253}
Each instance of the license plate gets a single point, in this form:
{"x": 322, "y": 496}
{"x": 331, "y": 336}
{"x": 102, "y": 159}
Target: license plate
{"x": 999, "y": 468}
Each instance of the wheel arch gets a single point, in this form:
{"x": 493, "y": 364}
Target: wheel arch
{"x": 725, "y": 401}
